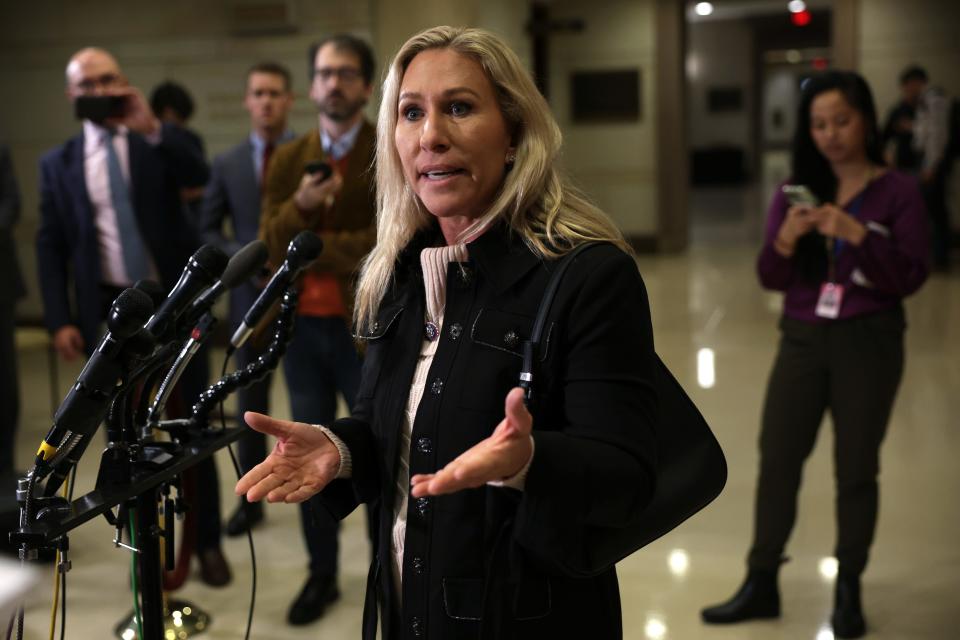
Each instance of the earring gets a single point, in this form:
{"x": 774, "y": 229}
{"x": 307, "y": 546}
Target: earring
{"x": 511, "y": 158}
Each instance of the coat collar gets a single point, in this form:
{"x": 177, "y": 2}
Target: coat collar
{"x": 502, "y": 256}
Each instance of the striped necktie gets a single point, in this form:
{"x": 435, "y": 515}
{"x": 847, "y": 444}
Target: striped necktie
{"x": 135, "y": 259}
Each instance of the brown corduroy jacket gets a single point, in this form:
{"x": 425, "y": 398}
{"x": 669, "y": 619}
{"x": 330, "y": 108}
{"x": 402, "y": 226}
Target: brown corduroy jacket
{"x": 347, "y": 227}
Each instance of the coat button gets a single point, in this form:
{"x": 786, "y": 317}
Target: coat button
{"x": 424, "y": 445}
{"x": 417, "y": 564}
{"x": 423, "y": 506}
{"x": 416, "y": 626}
{"x": 436, "y": 387}
{"x": 511, "y": 339}
{"x": 456, "y": 329}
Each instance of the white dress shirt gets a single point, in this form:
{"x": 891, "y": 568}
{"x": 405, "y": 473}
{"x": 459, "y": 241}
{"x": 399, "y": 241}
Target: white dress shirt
{"x": 95, "y": 138}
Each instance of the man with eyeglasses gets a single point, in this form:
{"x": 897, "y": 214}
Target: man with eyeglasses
{"x": 336, "y": 199}
{"x": 110, "y": 215}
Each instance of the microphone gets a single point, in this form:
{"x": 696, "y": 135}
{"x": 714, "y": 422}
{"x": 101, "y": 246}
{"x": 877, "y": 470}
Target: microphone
{"x": 87, "y": 402}
{"x": 152, "y": 289}
{"x": 202, "y": 269}
{"x": 301, "y": 251}
{"x": 244, "y": 264}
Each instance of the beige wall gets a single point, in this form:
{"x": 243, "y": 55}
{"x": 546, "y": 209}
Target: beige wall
{"x": 720, "y": 55}
{"x": 614, "y": 163}
{"x": 397, "y": 21}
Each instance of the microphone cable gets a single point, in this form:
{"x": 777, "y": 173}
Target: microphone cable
{"x": 236, "y": 468}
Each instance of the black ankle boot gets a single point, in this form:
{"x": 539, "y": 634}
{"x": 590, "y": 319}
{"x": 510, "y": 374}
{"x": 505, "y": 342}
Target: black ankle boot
{"x": 757, "y": 598}
{"x": 847, "y": 618}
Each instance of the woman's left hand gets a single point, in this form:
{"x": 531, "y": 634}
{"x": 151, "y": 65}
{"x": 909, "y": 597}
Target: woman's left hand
{"x": 500, "y": 456}
{"x": 834, "y": 222}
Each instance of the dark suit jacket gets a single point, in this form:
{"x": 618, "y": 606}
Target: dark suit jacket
{"x": 593, "y": 432}
{"x": 11, "y": 279}
{"x": 233, "y": 192}
{"x": 67, "y": 247}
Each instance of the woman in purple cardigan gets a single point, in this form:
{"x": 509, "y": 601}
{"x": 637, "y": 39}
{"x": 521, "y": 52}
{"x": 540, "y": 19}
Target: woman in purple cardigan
{"x": 845, "y": 259}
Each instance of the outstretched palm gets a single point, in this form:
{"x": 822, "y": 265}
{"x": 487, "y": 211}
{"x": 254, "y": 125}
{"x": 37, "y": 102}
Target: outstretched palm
{"x": 301, "y": 464}
{"x": 501, "y": 455}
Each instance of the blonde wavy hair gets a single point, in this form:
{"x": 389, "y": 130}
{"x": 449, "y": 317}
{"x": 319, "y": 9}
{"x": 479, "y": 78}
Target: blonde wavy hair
{"x": 535, "y": 201}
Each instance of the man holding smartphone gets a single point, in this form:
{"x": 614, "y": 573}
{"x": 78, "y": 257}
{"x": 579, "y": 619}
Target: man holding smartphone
{"x": 233, "y": 194}
{"x": 300, "y": 193}
{"x": 110, "y": 202}
{"x": 110, "y": 215}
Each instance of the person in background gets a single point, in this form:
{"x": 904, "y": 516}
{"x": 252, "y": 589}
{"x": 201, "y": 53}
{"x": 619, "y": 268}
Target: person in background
{"x": 845, "y": 265}
{"x": 110, "y": 215}
{"x": 322, "y": 359}
{"x": 171, "y": 103}
{"x": 898, "y": 130}
{"x": 482, "y": 501}
{"x": 931, "y": 140}
{"x": 11, "y": 290}
{"x": 233, "y": 195}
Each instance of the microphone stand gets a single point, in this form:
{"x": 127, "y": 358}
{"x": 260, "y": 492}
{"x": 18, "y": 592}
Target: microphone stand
{"x": 136, "y": 471}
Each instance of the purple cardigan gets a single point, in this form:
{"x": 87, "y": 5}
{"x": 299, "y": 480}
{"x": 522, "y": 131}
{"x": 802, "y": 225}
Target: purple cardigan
{"x": 890, "y": 264}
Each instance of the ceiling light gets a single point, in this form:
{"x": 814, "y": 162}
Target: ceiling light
{"x": 703, "y": 8}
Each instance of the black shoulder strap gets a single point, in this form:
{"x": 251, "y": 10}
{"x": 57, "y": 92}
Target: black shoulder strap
{"x": 531, "y": 346}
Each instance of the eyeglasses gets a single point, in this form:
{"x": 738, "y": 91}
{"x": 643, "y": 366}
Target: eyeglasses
{"x": 107, "y": 80}
{"x": 346, "y": 74}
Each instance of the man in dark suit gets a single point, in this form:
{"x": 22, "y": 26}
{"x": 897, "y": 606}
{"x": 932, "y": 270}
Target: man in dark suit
{"x": 11, "y": 290}
{"x": 234, "y": 193}
{"x": 111, "y": 214}
{"x": 110, "y": 211}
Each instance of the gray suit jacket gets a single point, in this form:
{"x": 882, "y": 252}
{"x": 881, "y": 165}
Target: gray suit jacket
{"x": 11, "y": 279}
{"x": 233, "y": 193}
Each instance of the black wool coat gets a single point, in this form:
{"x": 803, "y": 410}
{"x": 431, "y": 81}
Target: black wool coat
{"x": 495, "y": 553}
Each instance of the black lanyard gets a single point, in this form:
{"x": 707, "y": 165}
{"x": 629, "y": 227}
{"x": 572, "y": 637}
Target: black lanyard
{"x": 835, "y": 245}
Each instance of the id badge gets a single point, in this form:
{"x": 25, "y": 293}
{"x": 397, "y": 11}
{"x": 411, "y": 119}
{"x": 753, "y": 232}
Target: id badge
{"x": 831, "y": 297}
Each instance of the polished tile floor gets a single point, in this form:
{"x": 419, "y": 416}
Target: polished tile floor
{"x": 707, "y": 309}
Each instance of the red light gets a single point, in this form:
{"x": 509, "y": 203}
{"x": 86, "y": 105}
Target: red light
{"x": 820, "y": 64}
{"x": 800, "y": 18}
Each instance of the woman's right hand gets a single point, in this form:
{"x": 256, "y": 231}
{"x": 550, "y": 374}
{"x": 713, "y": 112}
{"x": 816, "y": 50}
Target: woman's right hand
{"x": 301, "y": 464}
{"x": 796, "y": 224}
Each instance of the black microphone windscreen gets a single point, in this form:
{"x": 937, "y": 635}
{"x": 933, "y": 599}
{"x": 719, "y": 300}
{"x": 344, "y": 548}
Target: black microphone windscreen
{"x": 211, "y": 260}
{"x": 305, "y": 247}
{"x": 152, "y": 289}
{"x": 244, "y": 264}
{"x": 129, "y": 311}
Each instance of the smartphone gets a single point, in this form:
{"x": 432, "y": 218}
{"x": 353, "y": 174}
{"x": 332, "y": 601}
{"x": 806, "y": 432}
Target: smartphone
{"x": 315, "y": 167}
{"x": 800, "y": 195}
{"x": 99, "y": 108}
